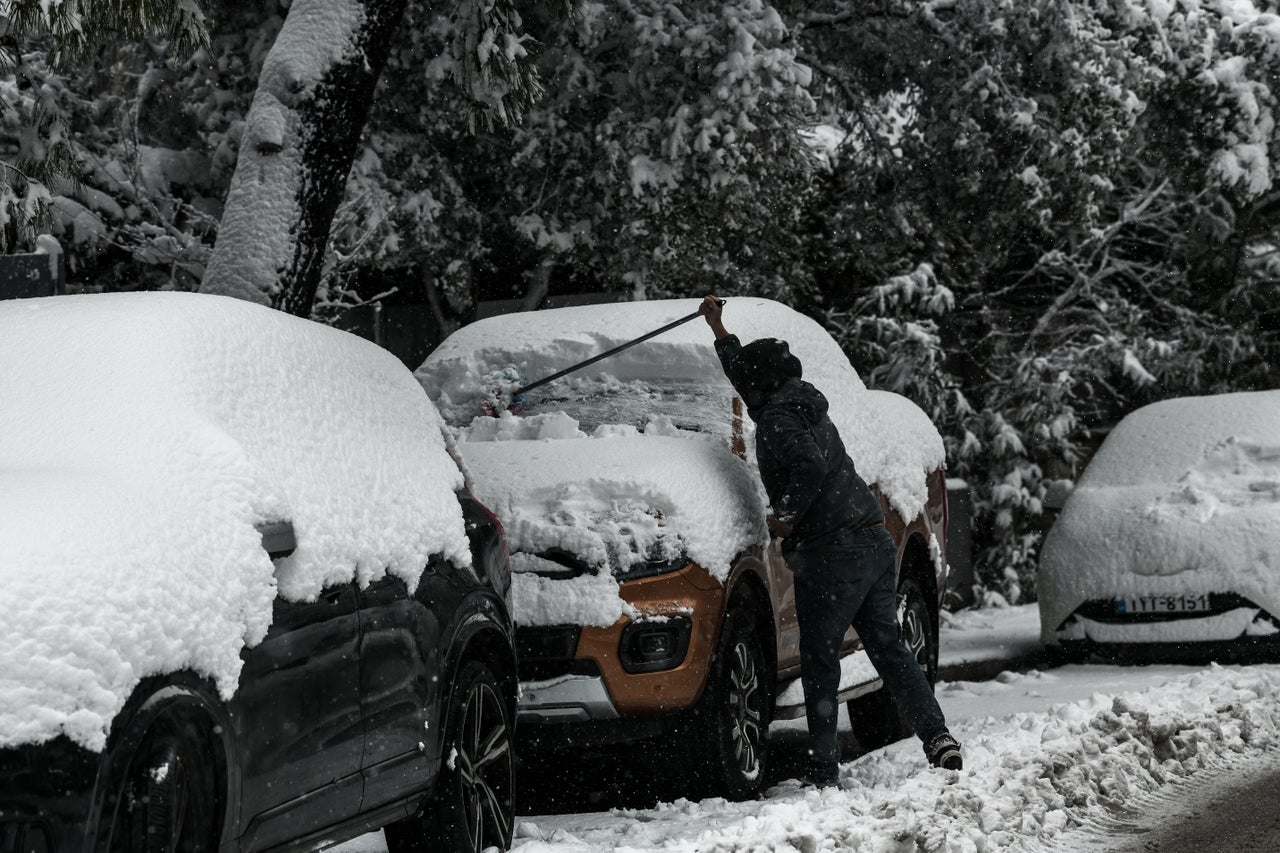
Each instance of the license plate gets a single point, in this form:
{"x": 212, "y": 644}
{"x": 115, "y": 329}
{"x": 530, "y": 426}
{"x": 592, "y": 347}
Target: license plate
{"x": 1129, "y": 605}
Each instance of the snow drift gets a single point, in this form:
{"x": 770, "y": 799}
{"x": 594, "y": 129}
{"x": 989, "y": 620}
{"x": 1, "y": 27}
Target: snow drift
{"x": 142, "y": 437}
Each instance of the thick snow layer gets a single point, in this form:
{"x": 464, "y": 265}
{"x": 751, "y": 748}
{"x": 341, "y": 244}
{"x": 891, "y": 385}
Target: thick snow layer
{"x": 632, "y": 453}
{"x": 142, "y": 437}
{"x": 1183, "y": 498}
{"x": 589, "y": 599}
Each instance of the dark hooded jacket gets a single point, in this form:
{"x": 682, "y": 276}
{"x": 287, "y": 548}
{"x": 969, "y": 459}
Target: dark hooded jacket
{"x": 808, "y": 475}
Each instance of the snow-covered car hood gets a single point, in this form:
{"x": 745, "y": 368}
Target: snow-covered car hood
{"x": 143, "y": 436}
{"x": 613, "y": 503}
{"x": 614, "y": 500}
{"x": 1183, "y": 498}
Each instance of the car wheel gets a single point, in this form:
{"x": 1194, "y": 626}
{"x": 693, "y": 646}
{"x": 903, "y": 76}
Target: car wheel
{"x": 163, "y": 795}
{"x": 730, "y": 736}
{"x": 875, "y": 718}
{"x": 473, "y": 804}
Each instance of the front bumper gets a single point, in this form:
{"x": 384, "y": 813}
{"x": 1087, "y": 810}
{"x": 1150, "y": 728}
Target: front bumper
{"x": 568, "y": 699}
{"x": 655, "y": 663}
{"x": 1229, "y": 618}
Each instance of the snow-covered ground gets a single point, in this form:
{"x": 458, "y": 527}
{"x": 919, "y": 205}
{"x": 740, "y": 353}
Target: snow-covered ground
{"x": 1050, "y": 757}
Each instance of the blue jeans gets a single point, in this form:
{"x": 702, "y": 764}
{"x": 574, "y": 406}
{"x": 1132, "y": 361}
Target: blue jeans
{"x": 851, "y": 579}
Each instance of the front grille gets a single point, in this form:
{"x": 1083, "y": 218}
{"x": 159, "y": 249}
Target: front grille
{"x": 547, "y": 652}
{"x": 1104, "y": 610}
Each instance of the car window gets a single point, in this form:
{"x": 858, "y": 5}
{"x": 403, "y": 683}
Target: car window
{"x": 597, "y": 402}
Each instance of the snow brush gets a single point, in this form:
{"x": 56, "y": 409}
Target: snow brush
{"x": 514, "y": 400}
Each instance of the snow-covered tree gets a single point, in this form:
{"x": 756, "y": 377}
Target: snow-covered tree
{"x": 662, "y": 159}
{"x": 313, "y": 98}
{"x": 38, "y": 40}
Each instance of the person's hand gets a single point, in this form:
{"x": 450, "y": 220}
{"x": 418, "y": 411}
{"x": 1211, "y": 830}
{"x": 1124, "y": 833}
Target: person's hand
{"x": 778, "y": 529}
{"x": 712, "y": 308}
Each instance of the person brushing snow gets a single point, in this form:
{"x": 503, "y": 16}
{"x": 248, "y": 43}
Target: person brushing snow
{"x": 834, "y": 541}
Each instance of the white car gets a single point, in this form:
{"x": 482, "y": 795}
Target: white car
{"x": 647, "y": 596}
{"x": 1172, "y": 535}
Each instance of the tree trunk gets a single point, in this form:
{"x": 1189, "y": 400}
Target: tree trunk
{"x": 296, "y": 149}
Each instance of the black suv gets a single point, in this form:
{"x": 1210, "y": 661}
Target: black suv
{"x": 383, "y": 697}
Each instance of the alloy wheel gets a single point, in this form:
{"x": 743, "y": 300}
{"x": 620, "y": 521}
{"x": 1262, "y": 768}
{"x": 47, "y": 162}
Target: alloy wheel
{"x": 485, "y": 765}
{"x": 914, "y": 635}
{"x": 746, "y": 700}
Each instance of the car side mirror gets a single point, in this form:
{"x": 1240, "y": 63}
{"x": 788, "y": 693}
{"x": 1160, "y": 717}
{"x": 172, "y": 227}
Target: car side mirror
{"x": 278, "y": 539}
{"x": 1056, "y": 493}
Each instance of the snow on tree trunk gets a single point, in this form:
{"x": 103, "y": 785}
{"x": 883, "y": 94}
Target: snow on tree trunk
{"x": 296, "y": 149}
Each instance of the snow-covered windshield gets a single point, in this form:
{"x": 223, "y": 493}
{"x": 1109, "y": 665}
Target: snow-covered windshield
{"x": 604, "y": 401}
{"x": 1195, "y": 440}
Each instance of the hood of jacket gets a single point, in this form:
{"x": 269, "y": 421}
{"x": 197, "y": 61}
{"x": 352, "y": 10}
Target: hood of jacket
{"x": 798, "y": 396}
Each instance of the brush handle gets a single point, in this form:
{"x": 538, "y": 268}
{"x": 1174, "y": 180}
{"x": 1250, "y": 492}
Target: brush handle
{"x": 608, "y": 353}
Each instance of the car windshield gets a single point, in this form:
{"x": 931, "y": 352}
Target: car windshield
{"x": 604, "y": 401}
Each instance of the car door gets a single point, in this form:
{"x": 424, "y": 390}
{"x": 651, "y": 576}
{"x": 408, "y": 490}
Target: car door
{"x": 400, "y": 682}
{"x": 297, "y": 720}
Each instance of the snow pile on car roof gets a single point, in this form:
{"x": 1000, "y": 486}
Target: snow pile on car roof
{"x": 1183, "y": 498}
{"x": 716, "y": 506}
{"x": 142, "y": 438}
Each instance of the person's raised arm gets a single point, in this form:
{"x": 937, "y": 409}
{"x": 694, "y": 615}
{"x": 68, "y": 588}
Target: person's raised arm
{"x": 712, "y": 309}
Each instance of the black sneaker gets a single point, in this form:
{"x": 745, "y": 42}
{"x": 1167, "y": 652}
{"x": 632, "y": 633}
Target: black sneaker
{"x": 944, "y": 751}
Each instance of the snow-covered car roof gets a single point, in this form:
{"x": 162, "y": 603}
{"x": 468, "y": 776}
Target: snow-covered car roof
{"x": 594, "y": 487}
{"x": 1195, "y": 438}
{"x": 892, "y": 442}
{"x": 142, "y": 438}
{"x": 1183, "y": 498}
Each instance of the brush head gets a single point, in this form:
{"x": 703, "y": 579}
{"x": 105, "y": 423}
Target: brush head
{"x": 501, "y": 394}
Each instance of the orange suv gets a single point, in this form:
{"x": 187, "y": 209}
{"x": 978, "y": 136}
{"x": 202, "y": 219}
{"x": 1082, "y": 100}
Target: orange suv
{"x": 648, "y": 598}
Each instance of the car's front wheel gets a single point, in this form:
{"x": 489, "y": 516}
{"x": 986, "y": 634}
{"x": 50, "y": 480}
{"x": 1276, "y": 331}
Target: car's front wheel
{"x": 875, "y": 718}
{"x": 730, "y": 734}
{"x": 162, "y": 794}
{"x": 473, "y": 805}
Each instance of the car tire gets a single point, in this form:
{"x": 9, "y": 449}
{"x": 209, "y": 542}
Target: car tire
{"x": 473, "y": 804}
{"x": 875, "y": 718}
{"x": 729, "y": 737}
{"x": 162, "y": 795}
